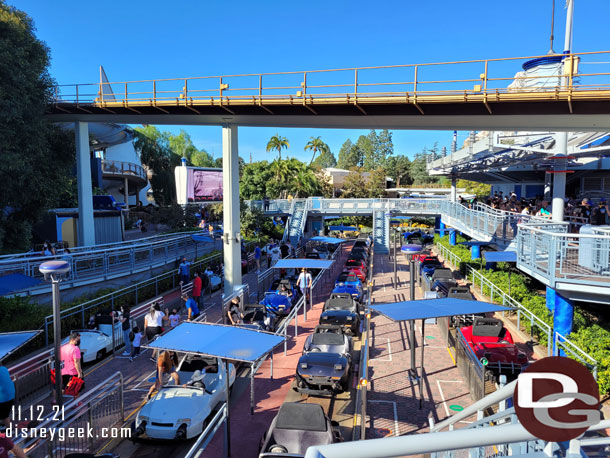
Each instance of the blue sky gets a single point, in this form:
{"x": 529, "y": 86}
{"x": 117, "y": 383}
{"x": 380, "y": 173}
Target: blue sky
{"x": 151, "y": 39}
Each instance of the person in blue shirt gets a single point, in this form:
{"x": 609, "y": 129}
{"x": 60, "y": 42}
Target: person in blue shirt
{"x": 257, "y": 257}
{"x": 7, "y": 396}
{"x": 184, "y": 271}
{"x": 191, "y": 306}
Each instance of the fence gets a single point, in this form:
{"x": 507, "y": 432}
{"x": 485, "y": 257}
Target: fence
{"x": 563, "y": 345}
{"x": 470, "y": 367}
{"x": 100, "y": 409}
{"x": 210, "y": 431}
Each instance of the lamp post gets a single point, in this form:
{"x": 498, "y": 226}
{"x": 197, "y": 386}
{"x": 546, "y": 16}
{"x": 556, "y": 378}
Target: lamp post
{"x": 54, "y": 271}
{"x": 410, "y": 251}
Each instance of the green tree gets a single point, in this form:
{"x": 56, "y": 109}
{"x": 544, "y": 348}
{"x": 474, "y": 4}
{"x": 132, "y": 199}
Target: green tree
{"x": 419, "y": 173}
{"x": 376, "y": 184}
{"x": 255, "y": 179}
{"x": 325, "y": 160}
{"x": 480, "y": 189}
{"x": 155, "y": 152}
{"x": 37, "y": 158}
{"x": 316, "y": 144}
{"x": 349, "y": 156}
{"x": 354, "y": 185}
{"x": 277, "y": 143}
{"x": 398, "y": 167}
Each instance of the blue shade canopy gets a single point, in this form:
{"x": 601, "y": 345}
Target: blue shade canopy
{"x": 12, "y": 341}
{"x": 435, "y": 308}
{"x": 475, "y": 243}
{"x": 16, "y": 282}
{"x": 202, "y": 238}
{"x": 303, "y": 263}
{"x": 327, "y": 239}
{"x": 218, "y": 341}
{"x": 342, "y": 228}
{"x": 500, "y": 256}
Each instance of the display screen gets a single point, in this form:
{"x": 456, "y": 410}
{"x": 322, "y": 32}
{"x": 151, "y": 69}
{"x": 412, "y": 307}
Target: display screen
{"x": 204, "y": 185}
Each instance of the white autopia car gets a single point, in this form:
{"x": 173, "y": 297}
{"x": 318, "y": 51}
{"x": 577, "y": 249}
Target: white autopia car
{"x": 179, "y": 412}
{"x": 97, "y": 343}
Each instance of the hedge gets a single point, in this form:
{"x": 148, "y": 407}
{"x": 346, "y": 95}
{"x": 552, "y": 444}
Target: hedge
{"x": 592, "y": 337}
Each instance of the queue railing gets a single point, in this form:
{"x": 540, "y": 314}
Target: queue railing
{"x": 100, "y": 410}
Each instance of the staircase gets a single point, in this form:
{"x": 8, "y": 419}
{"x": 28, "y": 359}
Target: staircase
{"x": 381, "y": 231}
{"x": 296, "y": 224}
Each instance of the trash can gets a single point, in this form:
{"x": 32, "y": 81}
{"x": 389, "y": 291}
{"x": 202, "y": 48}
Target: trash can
{"x": 585, "y": 247}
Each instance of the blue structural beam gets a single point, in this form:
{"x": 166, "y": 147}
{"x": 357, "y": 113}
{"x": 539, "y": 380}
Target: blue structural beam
{"x": 563, "y": 311}
{"x": 452, "y": 237}
{"x": 441, "y": 227}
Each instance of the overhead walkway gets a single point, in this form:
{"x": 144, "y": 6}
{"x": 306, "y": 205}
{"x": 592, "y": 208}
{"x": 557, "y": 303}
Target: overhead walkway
{"x": 413, "y": 96}
{"x": 560, "y": 260}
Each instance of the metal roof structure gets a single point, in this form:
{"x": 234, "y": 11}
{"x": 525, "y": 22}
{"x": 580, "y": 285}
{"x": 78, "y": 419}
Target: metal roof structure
{"x": 435, "y": 308}
{"x": 13, "y": 341}
{"x": 500, "y": 256}
{"x": 218, "y": 341}
{"x": 303, "y": 263}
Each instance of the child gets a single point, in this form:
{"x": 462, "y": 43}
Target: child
{"x": 135, "y": 345}
{"x": 174, "y": 318}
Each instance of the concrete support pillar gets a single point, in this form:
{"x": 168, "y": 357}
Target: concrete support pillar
{"x": 559, "y": 178}
{"x": 230, "y": 203}
{"x": 562, "y": 309}
{"x": 126, "y": 192}
{"x": 86, "y": 226}
{"x": 453, "y": 189}
{"x": 452, "y": 237}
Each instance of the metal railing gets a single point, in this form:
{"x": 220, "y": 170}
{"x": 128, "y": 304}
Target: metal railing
{"x": 219, "y": 419}
{"x": 564, "y": 345}
{"x": 273, "y": 206}
{"x": 123, "y": 169}
{"x": 101, "y": 410}
{"x": 484, "y": 81}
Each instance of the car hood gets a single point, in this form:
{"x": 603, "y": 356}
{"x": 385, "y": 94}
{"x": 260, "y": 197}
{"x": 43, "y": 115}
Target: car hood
{"x": 322, "y": 363}
{"x": 172, "y": 403}
{"x": 338, "y": 316}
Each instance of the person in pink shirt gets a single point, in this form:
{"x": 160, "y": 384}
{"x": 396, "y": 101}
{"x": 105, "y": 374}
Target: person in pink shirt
{"x": 70, "y": 359}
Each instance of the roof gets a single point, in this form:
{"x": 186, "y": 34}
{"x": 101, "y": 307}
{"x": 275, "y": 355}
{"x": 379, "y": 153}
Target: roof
{"x": 217, "y": 340}
{"x": 435, "y": 308}
{"x": 12, "y": 341}
{"x": 303, "y": 263}
{"x": 202, "y": 238}
{"x": 500, "y": 256}
{"x": 16, "y": 282}
{"x": 327, "y": 239}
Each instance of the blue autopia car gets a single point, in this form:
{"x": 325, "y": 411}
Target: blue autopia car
{"x": 276, "y": 288}
{"x": 277, "y": 303}
{"x": 348, "y": 279}
{"x": 354, "y": 290}
{"x": 428, "y": 269}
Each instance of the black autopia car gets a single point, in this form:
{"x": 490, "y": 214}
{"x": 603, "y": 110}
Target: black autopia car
{"x": 349, "y": 320}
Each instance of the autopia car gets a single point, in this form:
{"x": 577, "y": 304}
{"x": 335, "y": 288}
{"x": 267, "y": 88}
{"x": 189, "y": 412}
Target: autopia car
{"x": 182, "y": 412}
{"x": 324, "y": 368}
{"x": 295, "y": 428}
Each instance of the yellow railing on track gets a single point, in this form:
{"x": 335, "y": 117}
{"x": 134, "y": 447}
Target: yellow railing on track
{"x": 474, "y": 81}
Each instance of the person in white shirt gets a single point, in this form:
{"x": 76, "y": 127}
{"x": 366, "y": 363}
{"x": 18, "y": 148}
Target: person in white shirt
{"x": 304, "y": 282}
{"x": 135, "y": 345}
{"x": 174, "y": 318}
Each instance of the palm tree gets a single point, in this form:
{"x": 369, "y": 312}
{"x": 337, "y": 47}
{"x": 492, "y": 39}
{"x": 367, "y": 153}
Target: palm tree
{"x": 316, "y": 144}
{"x": 282, "y": 171}
{"x": 277, "y": 143}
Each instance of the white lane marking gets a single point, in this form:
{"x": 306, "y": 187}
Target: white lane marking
{"x": 389, "y": 358}
{"x": 395, "y": 414}
{"x": 438, "y": 383}
{"x": 145, "y": 379}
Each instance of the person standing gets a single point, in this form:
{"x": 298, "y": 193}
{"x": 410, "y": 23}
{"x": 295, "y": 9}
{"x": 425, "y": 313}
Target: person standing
{"x": 174, "y": 318}
{"x": 197, "y": 286}
{"x": 191, "y": 307}
{"x": 184, "y": 271}
{"x": 137, "y": 342}
{"x": 257, "y": 258}
{"x": 126, "y": 328}
{"x": 70, "y": 358}
{"x": 599, "y": 214}
{"x": 234, "y": 313}
{"x": 266, "y": 203}
{"x": 284, "y": 250}
{"x": 304, "y": 282}
{"x": 7, "y": 396}
{"x": 7, "y": 445}
{"x": 275, "y": 255}
{"x": 153, "y": 323}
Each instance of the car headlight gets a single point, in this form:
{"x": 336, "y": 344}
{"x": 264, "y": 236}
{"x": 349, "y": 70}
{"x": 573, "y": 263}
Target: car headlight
{"x": 181, "y": 421}
{"x": 338, "y": 367}
{"x": 349, "y": 318}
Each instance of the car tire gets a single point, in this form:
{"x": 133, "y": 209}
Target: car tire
{"x": 100, "y": 355}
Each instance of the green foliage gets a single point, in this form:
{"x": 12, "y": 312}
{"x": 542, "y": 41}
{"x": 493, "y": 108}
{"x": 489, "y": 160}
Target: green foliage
{"x": 349, "y": 156}
{"x": 377, "y": 183}
{"x": 472, "y": 187}
{"x": 280, "y": 178}
{"x": 325, "y": 160}
{"x": 370, "y": 151}
{"x": 277, "y": 143}
{"x": 419, "y": 174}
{"x": 155, "y": 152}
{"x": 37, "y": 157}
{"x": 316, "y": 144}
{"x": 399, "y": 167}
{"x": 354, "y": 185}
{"x": 175, "y": 217}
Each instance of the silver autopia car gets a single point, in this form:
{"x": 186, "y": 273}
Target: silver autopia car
{"x": 296, "y": 427}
